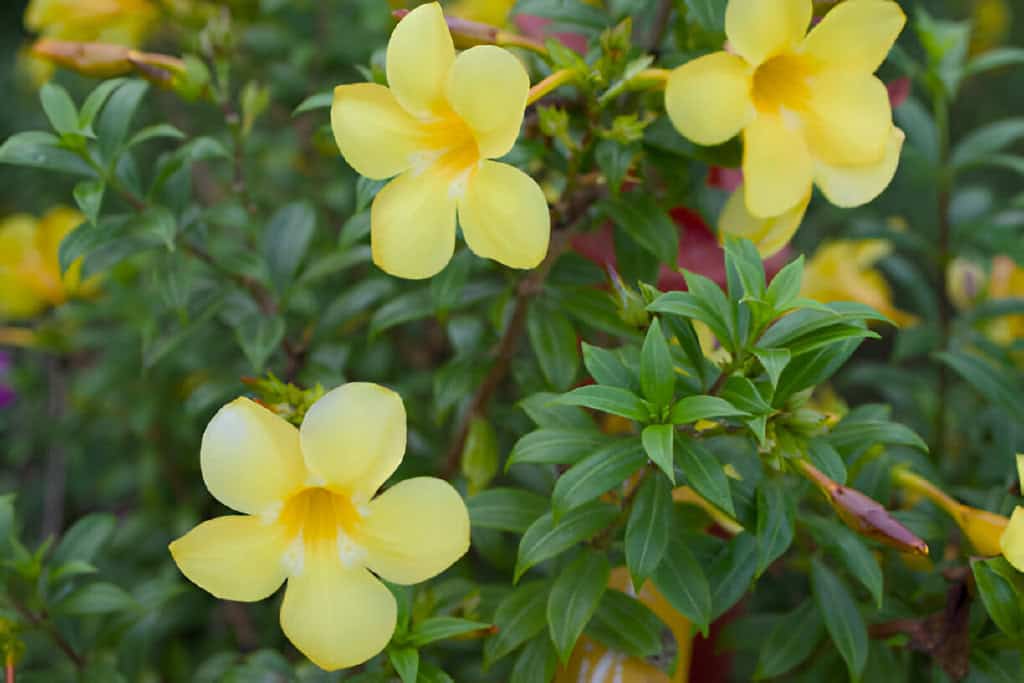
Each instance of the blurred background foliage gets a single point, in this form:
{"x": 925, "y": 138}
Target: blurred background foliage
{"x": 108, "y": 415}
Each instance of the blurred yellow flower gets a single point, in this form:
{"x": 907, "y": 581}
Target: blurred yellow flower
{"x": 809, "y": 107}
{"x": 122, "y": 22}
{"x": 437, "y": 128}
{"x": 30, "y": 278}
{"x": 1012, "y": 540}
{"x": 310, "y": 516}
{"x": 494, "y": 12}
{"x": 843, "y": 271}
{"x": 592, "y": 662}
{"x": 770, "y": 234}
{"x": 991, "y": 21}
{"x": 1006, "y": 282}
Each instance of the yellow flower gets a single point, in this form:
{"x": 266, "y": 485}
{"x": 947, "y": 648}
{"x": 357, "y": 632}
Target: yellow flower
{"x": 494, "y": 12}
{"x": 769, "y": 234}
{"x": 122, "y": 22}
{"x": 592, "y": 662}
{"x": 1012, "y": 540}
{"x": 310, "y": 516}
{"x": 437, "y": 128}
{"x": 843, "y": 271}
{"x": 809, "y": 107}
{"x": 30, "y": 278}
{"x": 1006, "y": 282}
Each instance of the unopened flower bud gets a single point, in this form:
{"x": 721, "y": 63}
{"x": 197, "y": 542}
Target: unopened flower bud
{"x": 966, "y": 282}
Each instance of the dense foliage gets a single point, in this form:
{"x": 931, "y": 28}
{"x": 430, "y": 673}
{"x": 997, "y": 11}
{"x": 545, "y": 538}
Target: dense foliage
{"x": 708, "y": 424}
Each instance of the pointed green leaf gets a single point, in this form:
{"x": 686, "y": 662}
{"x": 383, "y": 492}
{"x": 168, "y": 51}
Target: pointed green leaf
{"x": 657, "y": 372}
{"x": 704, "y": 473}
{"x": 648, "y": 529}
{"x": 574, "y": 599}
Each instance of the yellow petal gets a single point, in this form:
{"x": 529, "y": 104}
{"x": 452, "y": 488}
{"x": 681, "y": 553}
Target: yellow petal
{"x": 412, "y": 225}
{"x": 250, "y": 457}
{"x": 708, "y": 99}
{"x": 1012, "y": 541}
{"x": 16, "y": 300}
{"x": 848, "y": 119}
{"x": 337, "y": 617}
{"x": 377, "y": 137}
{"x": 776, "y": 167}
{"x": 354, "y": 437}
{"x": 17, "y": 240}
{"x": 420, "y": 54}
{"x": 769, "y": 235}
{"x": 849, "y": 186}
{"x": 233, "y": 558}
{"x": 1020, "y": 468}
{"x": 759, "y": 29}
{"x": 415, "y": 530}
{"x": 856, "y": 35}
{"x": 504, "y": 216}
{"x": 487, "y": 87}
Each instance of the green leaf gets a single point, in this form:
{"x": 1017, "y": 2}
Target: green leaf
{"x": 842, "y": 619}
{"x": 813, "y": 369}
{"x": 446, "y": 287}
{"x": 286, "y": 239}
{"x": 741, "y": 393}
{"x": 657, "y": 372}
{"x": 731, "y": 573}
{"x": 556, "y": 446}
{"x": 39, "y": 150}
{"x": 321, "y": 100}
{"x": 742, "y": 257}
{"x": 155, "y": 132}
{"x": 574, "y": 598}
{"x": 406, "y": 661}
{"x": 790, "y": 642}
{"x": 1001, "y": 388}
{"x": 774, "y": 361}
{"x": 683, "y": 583}
{"x": 536, "y": 663}
{"x": 657, "y": 441}
{"x": 519, "y": 617}
{"x": 597, "y": 474}
{"x": 544, "y": 539}
{"x": 994, "y": 59}
{"x": 96, "y": 598}
{"x": 506, "y": 509}
{"x": 945, "y": 43}
{"x": 775, "y": 520}
{"x": 545, "y": 412}
{"x": 689, "y": 305}
{"x": 987, "y": 140}
{"x": 258, "y": 336}
{"x": 89, "y": 197}
{"x": 116, "y": 118}
{"x": 827, "y": 459}
{"x": 608, "y": 400}
{"x": 59, "y": 108}
{"x": 784, "y": 289}
{"x": 647, "y": 532}
{"x": 614, "y": 160}
{"x": 850, "y": 434}
{"x": 606, "y": 367}
{"x": 554, "y": 344}
{"x": 1001, "y": 601}
{"x": 84, "y": 540}
{"x": 626, "y": 625}
{"x": 710, "y": 14}
{"x": 573, "y": 13}
{"x": 95, "y": 101}
{"x": 704, "y": 473}
{"x": 646, "y": 223}
{"x": 434, "y": 629}
{"x": 693, "y": 408}
{"x": 413, "y": 305}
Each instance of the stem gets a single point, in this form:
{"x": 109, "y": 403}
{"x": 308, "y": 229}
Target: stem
{"x": 47, "y": 628}
{"x": 659, "y": 26}
{"x": 549, "y": 84}
{"x": 941, "y": 110}
{"x": 9, "y": 668}
{"x": 914, "y": 483}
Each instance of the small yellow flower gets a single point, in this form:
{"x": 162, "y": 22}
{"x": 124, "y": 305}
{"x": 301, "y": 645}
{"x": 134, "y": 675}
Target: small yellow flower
{"x": 493, "y": 12}
{"x": 592, "y": 662}
{"x": 1012, "y": 540}
{"x": 843, "y": 271}
{"x": 1006, "y": 282}
{"x": 809, "y": 107}
{"x": 30, "y": 278}
{"x": 122, "y": 22}
{"x": 310, "y": 516}
{"x": 437, "y": 128}
{"x": 770, "y": 234}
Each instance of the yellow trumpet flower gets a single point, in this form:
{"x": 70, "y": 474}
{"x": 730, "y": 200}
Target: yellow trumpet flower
{"x": 30, "y": 278}
{"x": 1012, "y": 540}
{"x": 493, "y": 12}
{"x": 843, "y": 271}
{"x": 437, "y": 128}
{"x": 122, "y": 22}
{"x": 769, "y": 234}
{"x": 310, "y": 516}
{"x": 1006, "y": 282}
{"x": 809, "y": 107}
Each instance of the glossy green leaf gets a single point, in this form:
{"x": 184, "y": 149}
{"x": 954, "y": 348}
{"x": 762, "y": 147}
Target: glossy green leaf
{"x": 657, "y": 372}
{"x": 775, "y": 520}
{"x": 521, "y": 615}
{"x": 556, "y": 446}
{"x": 597, "y": 474}
{"x": 790, "y": 642}
{"x": 574, "y": 598}
{"x": 648, "y": 528}
{"x": 554, "y": 344}
{"x": 606, "y": 367}
{"x": 842, "y": 618}
{"x": 704, "y": 472}
{"x": 657, "y": 442}
{"x": 680, "y": 579}
{"x": 545, "y": 539}
{"x": 693, "y": 408}
{"x": 626, "y": 625}
{"x": 434, "y": 629}
{"x": 505, "y": 509}
{"x": 608, "y": 400}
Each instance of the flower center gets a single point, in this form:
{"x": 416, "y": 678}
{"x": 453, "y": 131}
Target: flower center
{"x": 453, "y": 151}
{"x": 322, "y": 521}
{"x": 782, "y": 82}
